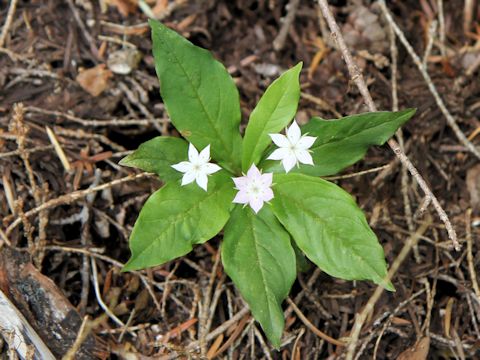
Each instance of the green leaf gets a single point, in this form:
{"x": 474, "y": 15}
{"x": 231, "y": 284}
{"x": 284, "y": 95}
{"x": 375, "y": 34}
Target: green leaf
{"x": 341, "y": 143}
{"x": 329, "y": 227}
{"x": 158, "y": 155}
{"x": 274, "y": 111}
{"x": 176, "y": 217}
{"x": 199, "y": 95}
{"x": 303, "y": 265}
{"x": 258, "y": 257}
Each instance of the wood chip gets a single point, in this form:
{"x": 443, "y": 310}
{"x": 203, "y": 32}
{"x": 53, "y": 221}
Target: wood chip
{"x": 94, "y": 80}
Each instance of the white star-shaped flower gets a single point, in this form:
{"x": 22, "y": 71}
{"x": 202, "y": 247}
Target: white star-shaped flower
{"x": 293, "y": 148}
{"x": 197, "y": 168}
{"x": 253, "y": 188}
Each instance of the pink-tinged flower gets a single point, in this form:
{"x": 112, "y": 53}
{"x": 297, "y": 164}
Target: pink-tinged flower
{"x": 197, "y": 168}
{"x": 253, "y": 188}
{"x": 293, "y": 148}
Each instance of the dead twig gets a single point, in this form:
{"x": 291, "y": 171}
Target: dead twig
{"x": 360, "y": 173}
{"x": 215, "y": 333}
{"x": 431, "y": 37}
{"x": 321, "y": 103}
{"x": 145, "y": 280}
{"x": 471, "y": 266}
{"x": 21, "y": 130}
{"x": 73, "y": 196}
{"x": 4, "y": 238}
{"x": 204, "y": 309}
{"x": 312, "y": 327}
{"x": 279, "y": 41}
{"x": 263, "y": 345}
{"x": 404, "y": 172}
{"x": 214, "y": 295}
{"x": 8, "y": 22}
{"x": 81, "y": 134}
{"x": 100, "y": 301}
{"x": 81, "y": 336}
{"x": 441, "y": 21}
{"x": 389, "y": 320}
{"x": 468, "y": 11}
{"x": 89, "y": 38}
{"x": 27, "y": 151}
{"x": 357, "y": 77}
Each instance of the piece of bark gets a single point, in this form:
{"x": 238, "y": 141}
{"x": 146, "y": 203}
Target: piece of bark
{"x": 18, "y": 333}
{"x": 43, "y": 305}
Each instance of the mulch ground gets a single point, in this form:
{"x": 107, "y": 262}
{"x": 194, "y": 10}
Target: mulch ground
{"x": 78, "y": 91}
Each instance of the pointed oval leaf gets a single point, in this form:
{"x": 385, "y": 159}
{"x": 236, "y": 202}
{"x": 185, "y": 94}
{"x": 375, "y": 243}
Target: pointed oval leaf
{"x": 274, "y": 111}
{"x": 199, "y": 95}
{"x": 258, "y": 257}
{"x": 329, "y": 227}
{"x": 158, "y": 155}
{"x": 176, "y": 217}
{"x": 342, "y": 142}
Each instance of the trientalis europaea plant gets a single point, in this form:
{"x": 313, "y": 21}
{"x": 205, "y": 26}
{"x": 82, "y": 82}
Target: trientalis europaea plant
{"x": 264, "y": 189}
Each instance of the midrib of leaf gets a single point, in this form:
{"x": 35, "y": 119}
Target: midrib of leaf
{"x": 204, "y": 109}
{"x": 268, "y": 294}
{"x": 348, "y": 136}
{"x": 173, "y": 222}
{"x": 315, "y": 216}
{"x": 264, "y": 125}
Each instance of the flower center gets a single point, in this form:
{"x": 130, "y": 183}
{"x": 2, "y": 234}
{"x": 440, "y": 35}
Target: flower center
{"x": 254, "y": 189}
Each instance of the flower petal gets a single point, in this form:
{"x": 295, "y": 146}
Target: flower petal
{"x": 304, "y": 157}
{"x": 204, "y": 155}
{"x": 240, "y": 182}
{"x": 280, "y": 140}
{"x": 188, "y": 178}
{"x": 183, "y": 166}
{"x": 202, "y": 180}
{"x": 306, "y": 142}
{"x": 279, "y": 154}
{"x": 289, "y": 162}
{"x": 266, "y": 179}
{"x": 256, "y": 204}
{"x": 267, "y": 195}
{"x": 293, "y": 132}
{"x": 210, "y": 168}
{"x": 253, "y": 173}
{"x": 192, "y": 153}
{"x": 241, "y": 198}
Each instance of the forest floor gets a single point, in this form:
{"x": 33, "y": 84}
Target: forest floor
{"x": 68, "y": 115}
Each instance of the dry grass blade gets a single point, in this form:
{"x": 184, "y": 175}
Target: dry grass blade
{"x": 58, "y": 149}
